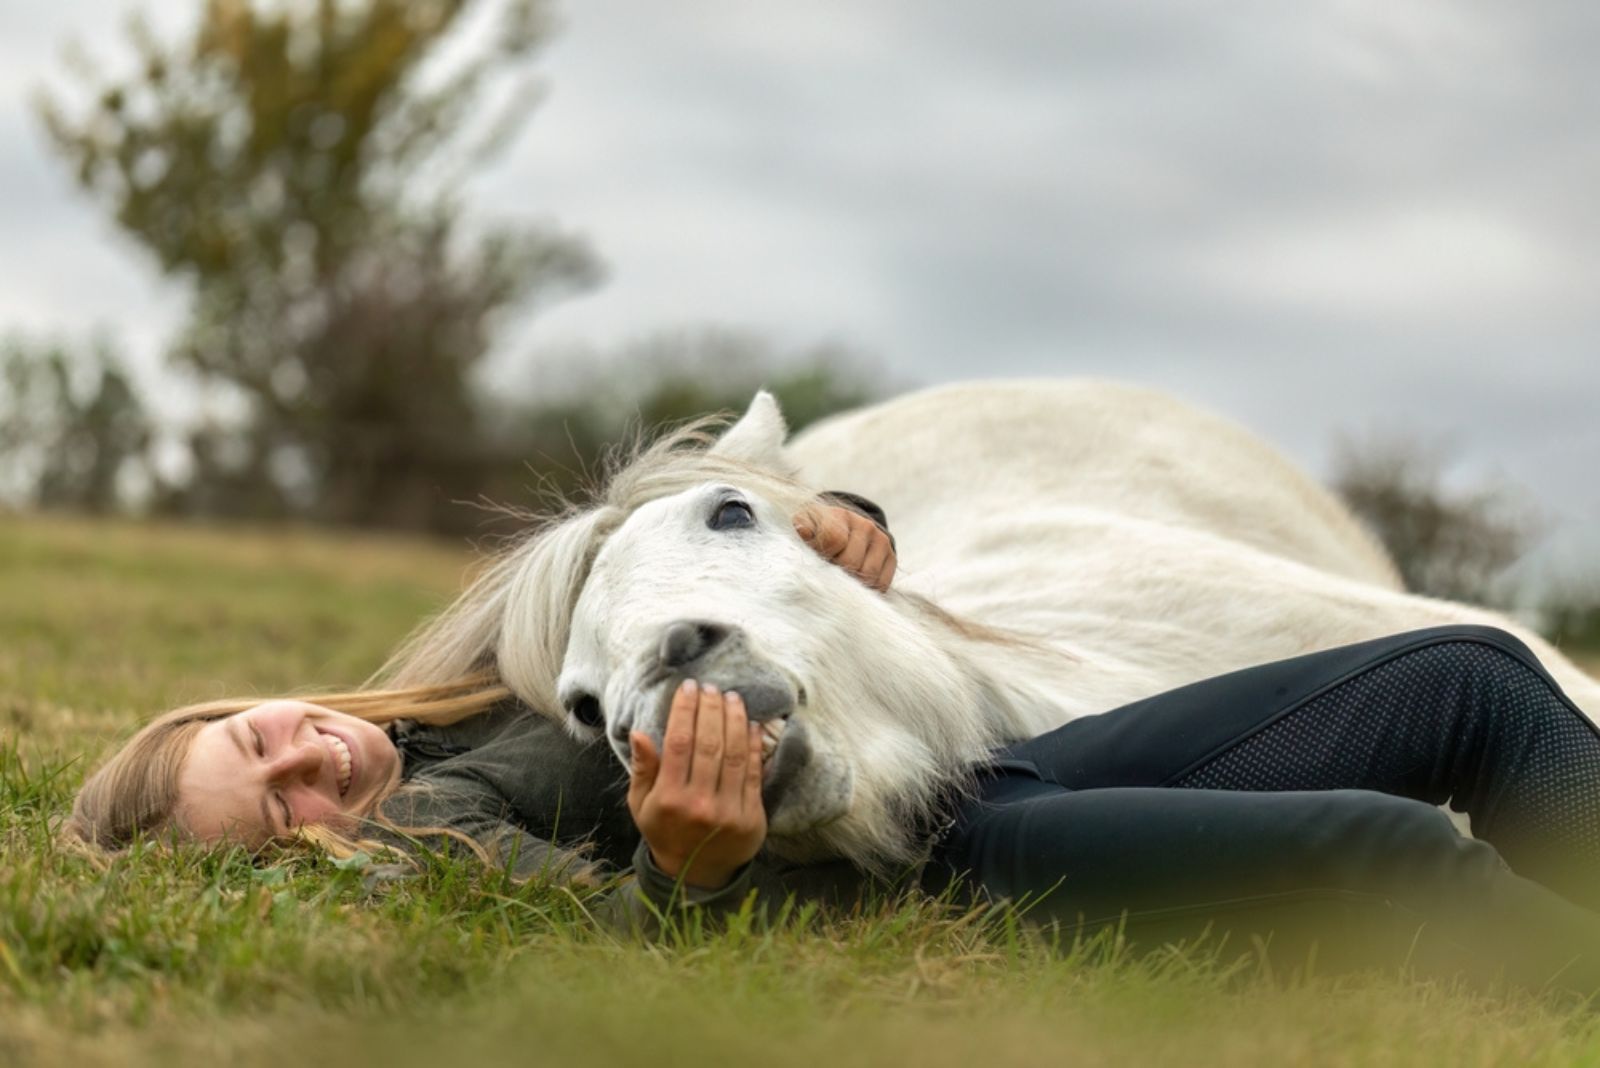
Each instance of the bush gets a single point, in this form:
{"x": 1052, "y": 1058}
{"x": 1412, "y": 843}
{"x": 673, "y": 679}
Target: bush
{"x": 1446, "y": 543}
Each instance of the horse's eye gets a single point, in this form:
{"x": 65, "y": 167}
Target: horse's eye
{"x": 731, "y": 515}
{"x": 585, "y": 709}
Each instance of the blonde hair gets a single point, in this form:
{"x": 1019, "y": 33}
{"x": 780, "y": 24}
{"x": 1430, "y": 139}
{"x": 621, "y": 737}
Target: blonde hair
{"x": 135, "y": 792}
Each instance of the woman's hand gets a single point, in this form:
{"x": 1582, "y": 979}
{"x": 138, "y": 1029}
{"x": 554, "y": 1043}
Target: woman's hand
{"x": 698, "y": 803}
{"x": 850, "y": 540}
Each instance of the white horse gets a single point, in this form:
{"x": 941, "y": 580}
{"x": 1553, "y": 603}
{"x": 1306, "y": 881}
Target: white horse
{"x": 1065, "y": 547}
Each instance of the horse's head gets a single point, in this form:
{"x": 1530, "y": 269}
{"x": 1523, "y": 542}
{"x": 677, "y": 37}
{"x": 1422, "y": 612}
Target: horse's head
{"x": 692, "y": 569}
{"x": 712, "y": 583}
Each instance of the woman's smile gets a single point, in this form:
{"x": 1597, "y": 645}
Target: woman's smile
{"x": 343, "y": 759}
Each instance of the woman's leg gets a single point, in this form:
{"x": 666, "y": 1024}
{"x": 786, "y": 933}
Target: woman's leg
{"x": 1370, "y": 878}
{"x": 1459, "y": 714}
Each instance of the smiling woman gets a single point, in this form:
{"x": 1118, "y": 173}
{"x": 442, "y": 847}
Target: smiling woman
{"x": 248, "y": 771}
{"x": 272, "y": 769}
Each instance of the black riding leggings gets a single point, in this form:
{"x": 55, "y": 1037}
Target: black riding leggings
{"x": 1302, "y": 794}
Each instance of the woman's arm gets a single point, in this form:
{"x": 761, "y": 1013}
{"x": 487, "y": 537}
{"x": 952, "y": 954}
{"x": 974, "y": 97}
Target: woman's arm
{"x": 449, "y": 812}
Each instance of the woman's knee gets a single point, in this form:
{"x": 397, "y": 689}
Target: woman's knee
{"x": 1495, "y": 664}
{"x": 1378, "y": 842}
{"x": 1392, "y": 819}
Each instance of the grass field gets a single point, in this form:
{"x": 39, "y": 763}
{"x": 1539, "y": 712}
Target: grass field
{"x": 221, "y": 959}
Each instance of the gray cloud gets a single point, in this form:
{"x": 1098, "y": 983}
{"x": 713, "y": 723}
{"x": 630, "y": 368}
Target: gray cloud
{"x": 1335, "y": 214}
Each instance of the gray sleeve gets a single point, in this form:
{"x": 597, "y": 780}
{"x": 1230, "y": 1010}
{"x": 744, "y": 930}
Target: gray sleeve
{"x": 649, "y": 898}
{"x": 438, "y": 813}
{"x": 433, "y": 815}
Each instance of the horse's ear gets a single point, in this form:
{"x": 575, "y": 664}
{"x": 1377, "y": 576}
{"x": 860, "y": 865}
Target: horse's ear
{"x": 757, "y": 438}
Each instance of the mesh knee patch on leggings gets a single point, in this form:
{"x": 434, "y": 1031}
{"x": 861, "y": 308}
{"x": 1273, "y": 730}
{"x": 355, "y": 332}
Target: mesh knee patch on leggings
{"x": 1459, "y": 721}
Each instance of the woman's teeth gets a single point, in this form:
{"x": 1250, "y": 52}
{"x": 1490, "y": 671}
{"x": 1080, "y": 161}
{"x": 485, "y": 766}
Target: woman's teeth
{"x": 341, "y": 760}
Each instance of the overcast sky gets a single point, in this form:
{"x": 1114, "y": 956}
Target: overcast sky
{"x": 1324, "y": 216}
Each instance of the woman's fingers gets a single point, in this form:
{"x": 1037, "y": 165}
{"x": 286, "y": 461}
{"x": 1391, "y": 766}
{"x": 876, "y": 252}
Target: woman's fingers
{"x": 805, "y": 525}
{"x": 646, "y": 766}
{"x": 735, "y": 750}
{"x": 830, "y": 530}
{"x": 751, "y": 802}
{"x": 711, "y": 752}
{"x": 855, "y": 556}
{"x": 703, "y": 826}
{"x": 851, "y": 540}
{"x": 677, "y": 755}
{"x": 706, "y": 770}
{"x": 890, "y": 566}
{"x": 877, "y": 568}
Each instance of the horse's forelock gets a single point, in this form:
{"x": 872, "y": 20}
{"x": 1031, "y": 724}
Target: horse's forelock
{"x": 684, "y": 459}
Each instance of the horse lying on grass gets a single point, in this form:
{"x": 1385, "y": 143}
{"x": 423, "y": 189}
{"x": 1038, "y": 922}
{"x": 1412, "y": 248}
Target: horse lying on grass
{"x": 1065, "y": 547}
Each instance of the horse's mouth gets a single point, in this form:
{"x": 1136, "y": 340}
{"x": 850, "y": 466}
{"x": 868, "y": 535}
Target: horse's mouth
{"x": 773, "y": 700}
{"x": 772, "y": 732}
{"x": 791, "y": 766}
{"x": 786, "y": 754}
{"x": 768, "y": 695}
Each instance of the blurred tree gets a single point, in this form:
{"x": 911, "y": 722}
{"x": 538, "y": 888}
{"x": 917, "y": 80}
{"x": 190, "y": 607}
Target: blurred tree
{"x": 1571, "y": 613}
{"x": 299, "y": 165}
{"x": 72, "y": 428}
{"x": 1453, "y": 544}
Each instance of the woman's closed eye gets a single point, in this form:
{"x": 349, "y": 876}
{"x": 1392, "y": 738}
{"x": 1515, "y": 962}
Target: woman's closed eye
{"x": 277, "y": 796}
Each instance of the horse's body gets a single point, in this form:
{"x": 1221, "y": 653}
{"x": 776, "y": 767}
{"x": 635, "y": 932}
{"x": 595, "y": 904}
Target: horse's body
{"x": 1126, "y": 526}
{"x": 1131, "y": 543}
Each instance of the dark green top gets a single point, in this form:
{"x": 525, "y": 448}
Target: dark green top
{"x": 550, "y": 806}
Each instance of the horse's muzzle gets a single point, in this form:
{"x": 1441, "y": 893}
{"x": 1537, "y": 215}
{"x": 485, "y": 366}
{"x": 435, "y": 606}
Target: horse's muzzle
{"x": 719, "y": 655}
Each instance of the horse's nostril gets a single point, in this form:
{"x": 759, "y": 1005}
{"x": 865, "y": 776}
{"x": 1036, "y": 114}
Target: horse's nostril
{"x": 711, "y": 634}
{"x": 688, "y": 640}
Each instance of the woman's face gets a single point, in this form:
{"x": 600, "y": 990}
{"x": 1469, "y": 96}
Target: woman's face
{"x": 269, "y": 770}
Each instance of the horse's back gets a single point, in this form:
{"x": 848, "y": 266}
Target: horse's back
{"x": 939, "y": 458}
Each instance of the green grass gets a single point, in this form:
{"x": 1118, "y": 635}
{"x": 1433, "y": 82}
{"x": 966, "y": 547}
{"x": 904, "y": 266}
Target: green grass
{"x": 218, "y": 958}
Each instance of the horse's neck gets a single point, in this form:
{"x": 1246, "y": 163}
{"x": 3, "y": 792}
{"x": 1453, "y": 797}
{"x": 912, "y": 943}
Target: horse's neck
{"x": 1018, "y": 686}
